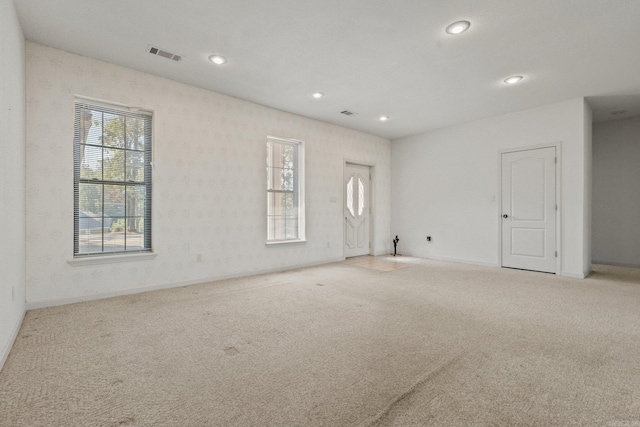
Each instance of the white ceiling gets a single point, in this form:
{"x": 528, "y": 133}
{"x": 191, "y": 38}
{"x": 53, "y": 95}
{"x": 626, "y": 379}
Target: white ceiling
{"x": 372, "y": 57}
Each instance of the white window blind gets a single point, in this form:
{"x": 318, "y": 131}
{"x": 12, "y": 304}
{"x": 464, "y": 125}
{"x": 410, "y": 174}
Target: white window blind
{"x": 112, "y": 180}
{"x": 285, "y": 190}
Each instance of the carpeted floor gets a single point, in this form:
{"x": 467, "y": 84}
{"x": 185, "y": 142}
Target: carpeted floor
{"x": 431, "y": 344}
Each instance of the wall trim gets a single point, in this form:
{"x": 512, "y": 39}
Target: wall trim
{"x": 456, "y": 260}
{"x": 465, "y": 261}
{"x": 489, "y": 264}
{"x": 6, "y": 349}
{"x": 574, "y": 275}
{"x": 616, "y": 264}
{"x": 109, "y": 259}
{"x": 34, "y": 305}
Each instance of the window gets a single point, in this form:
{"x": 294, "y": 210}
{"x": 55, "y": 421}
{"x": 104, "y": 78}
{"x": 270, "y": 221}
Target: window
{"x": 112, "y": 180}
{"x": 285, "y": 190}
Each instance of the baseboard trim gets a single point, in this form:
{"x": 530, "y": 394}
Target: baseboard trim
{"x": 574, "y": 275}
{"x": 460, "y": 261}
{"x": 616, "y": 264}
{"x": 33, "y": 305}
{"x": 6, "y": 349}
{"x": 488, "y": 264}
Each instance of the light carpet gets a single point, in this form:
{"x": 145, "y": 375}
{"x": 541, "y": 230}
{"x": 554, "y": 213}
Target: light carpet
{"x": 432, "y": 344}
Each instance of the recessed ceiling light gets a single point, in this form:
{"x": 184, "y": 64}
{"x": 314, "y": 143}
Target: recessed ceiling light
{"x": 218, "y": 59}
{"x": 513, "y": 80}
{"x": 458, "y": 27}
{"x": 383, "y": 118}
{"x": 317, "y": 95}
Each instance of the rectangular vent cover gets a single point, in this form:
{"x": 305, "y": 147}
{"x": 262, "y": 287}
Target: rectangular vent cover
{"x": 347, "y": 113}
{"x": 164, "y": 53}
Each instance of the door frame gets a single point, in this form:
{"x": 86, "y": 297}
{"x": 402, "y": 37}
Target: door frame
{"x": 558, "y": 147}
{"x": 372, "y": 200}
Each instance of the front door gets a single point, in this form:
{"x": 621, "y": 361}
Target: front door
{"x": 529, "y": 209}
{"x": 356, "y": 210}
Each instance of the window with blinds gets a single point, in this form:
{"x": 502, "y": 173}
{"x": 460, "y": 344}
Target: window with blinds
{"x": 112, "y": 180}
{"x": 285, "y": 190}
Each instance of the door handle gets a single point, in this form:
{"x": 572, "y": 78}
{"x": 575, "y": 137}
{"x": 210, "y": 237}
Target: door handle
{"x": 505, "y": 216}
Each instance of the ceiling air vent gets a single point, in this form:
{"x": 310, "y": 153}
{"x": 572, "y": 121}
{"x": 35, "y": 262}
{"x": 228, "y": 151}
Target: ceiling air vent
{"x": 347, "y": 113}
{"x": 164, "y": 53}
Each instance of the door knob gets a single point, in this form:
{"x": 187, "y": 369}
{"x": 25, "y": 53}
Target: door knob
{"x": 505, "y": 216}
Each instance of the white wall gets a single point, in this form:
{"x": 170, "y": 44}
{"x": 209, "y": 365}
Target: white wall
{"x": 616, "y": 199}
{"x": 587, "y": 248}
{"x": 209, "y": 181}
{"x": 446, "y": 184}
{"x": 12, "y": 177}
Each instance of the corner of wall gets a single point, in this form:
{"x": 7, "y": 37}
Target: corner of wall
{"x": 6, "y": 348}
{"x": 13, "y": 178}
{"x": 588, "y": 186}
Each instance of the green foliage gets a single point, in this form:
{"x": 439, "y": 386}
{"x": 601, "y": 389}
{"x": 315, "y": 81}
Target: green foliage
{"x": 113, "y": 151}
{"x": 282, "y": 188}
{"x": 118, "y": 225}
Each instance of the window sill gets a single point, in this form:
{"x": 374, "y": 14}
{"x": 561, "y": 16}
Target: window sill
{"x": 110, "y": 259}
{"x": 285, "y": 242}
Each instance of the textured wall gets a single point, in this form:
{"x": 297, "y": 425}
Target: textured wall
{"x": 209, "y": 181}
{"x": 616, "y": 199}
{"x": 12, "y": 176}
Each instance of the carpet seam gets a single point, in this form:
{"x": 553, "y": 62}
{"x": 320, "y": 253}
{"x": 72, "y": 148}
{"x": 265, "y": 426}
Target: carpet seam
{"x": 402, "y": 396}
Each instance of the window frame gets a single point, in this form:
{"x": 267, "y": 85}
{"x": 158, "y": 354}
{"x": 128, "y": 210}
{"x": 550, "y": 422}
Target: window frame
{"x": 80, "y": 139}
{"x": 299, "y": 189}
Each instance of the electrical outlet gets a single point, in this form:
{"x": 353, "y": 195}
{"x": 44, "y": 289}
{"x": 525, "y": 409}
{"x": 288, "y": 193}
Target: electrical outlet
{"x": 198, "y": 257}
{"x": 328, "y": 245}
{"x": 428, "y": 238}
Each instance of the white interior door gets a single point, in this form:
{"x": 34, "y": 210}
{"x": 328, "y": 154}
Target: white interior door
{"x": 529, "y": 210}
{"x": 356, "y": 210}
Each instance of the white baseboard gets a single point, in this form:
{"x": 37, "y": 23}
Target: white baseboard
{"x": 616, "y": 264}
{"x": 574, "y": 275}
{"x": 382, "y": 252}
{"x": 460, "y": 261}
{"x": 32, "y": 305}
{"x": 4, "y": 352}
{"x": 488, "y": 264}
